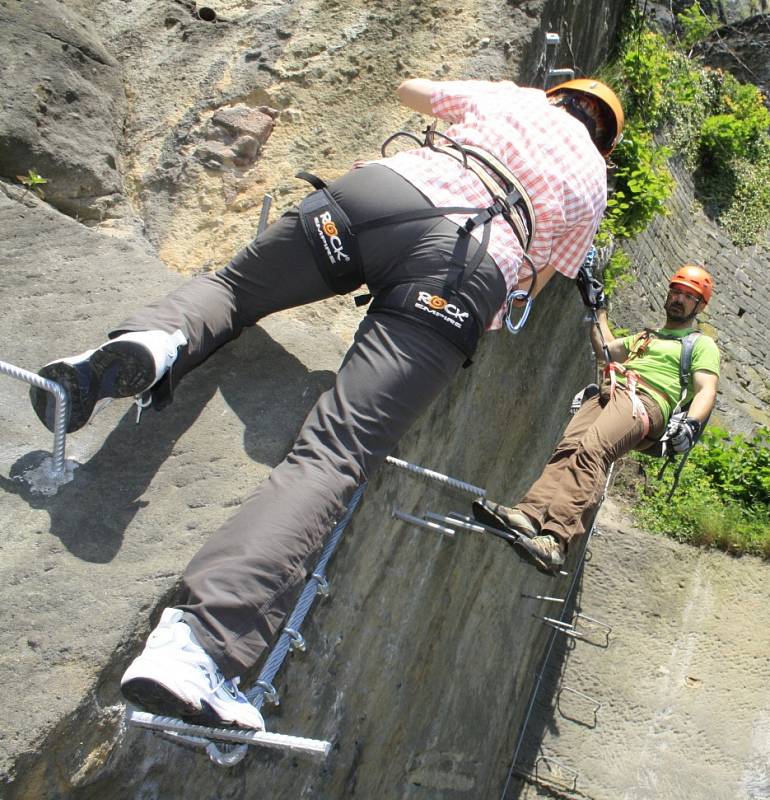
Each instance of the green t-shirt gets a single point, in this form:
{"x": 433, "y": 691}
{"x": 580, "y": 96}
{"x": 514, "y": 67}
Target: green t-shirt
{"x": 658, "y": 365}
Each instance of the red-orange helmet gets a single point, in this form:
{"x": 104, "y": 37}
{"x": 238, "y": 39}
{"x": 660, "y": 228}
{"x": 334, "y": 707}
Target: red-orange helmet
{"x": 695, "y": 278}
{"x": 613, "y": 118}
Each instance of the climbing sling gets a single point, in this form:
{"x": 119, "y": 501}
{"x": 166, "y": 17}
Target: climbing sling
{"x": 436, "y": 304}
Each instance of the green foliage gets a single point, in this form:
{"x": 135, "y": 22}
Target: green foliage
{"x": 723, "y": 497}
{"x": 695, "y": 25}
{"x": 617, "y": 271}
{"x": 642, "y": 182}
{"x": 658, "y": 81}
{"x": 740, "y": 130}
{"x": 716, "y": 124}
{"x": 745, "y": 210}
{"x": 733, "y": 175}
{"x": 33, "y": 182}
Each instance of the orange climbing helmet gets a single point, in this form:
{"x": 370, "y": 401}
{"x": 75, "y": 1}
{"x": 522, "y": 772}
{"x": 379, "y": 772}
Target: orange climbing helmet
{"x": 696, "y": 278}
{"x": 608, "y": 134}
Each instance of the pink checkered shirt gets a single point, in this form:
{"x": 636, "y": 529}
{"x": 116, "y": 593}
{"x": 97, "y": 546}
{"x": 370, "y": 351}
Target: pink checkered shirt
{"x": 549, "y": 151}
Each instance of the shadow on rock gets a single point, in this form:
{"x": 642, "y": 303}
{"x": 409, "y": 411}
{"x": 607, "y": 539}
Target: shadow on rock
{"x": 269, "y": 389}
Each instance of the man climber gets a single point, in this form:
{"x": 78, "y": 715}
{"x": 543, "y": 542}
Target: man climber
{"x": 641, "y": 390}
{"x": 438, "y": 233}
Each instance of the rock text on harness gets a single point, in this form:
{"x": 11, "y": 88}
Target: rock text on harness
{"x": 441, "y": 308}
{"x": 330, "y": 239}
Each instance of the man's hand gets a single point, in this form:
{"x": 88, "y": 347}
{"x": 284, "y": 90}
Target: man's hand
{"x": 590, "y": 287}
{"x": 591, "y": 290}
{"x": 685, "y": 433}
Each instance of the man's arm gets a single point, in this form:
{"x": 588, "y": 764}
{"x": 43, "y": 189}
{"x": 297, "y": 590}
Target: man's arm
{"x": 615, "y": 346}
{"x": 705, "y": 384}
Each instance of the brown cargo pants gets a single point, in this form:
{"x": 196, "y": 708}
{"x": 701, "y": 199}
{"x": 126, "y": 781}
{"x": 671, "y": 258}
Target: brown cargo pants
{"x": 239, "y": 587}
{"x": 567, "y": 493}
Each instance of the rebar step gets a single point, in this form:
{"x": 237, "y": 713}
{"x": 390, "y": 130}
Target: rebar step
{"x": 275, "y": 741}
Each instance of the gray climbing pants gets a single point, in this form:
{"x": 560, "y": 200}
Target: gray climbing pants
{"x": 239, "y": 587}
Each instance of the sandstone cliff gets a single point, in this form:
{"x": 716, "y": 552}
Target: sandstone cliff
{"x": 159, "y": 129}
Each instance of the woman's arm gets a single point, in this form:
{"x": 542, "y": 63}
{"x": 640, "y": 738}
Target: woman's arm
{"x": 416, "y": 93}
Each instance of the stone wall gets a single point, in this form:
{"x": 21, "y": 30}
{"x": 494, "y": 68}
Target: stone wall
{"x": 739, "y": 313}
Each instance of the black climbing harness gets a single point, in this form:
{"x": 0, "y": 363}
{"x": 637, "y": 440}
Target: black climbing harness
{"x": 439, "y": 305}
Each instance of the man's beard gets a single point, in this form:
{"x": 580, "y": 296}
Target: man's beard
{"x": 676, "y": 313}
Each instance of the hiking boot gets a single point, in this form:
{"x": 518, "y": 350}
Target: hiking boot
{"x": 175, "y": 677}
{"x": 125, "y": 366}
{"x": 507, "y": 519}
{"x": 545, "y": 552}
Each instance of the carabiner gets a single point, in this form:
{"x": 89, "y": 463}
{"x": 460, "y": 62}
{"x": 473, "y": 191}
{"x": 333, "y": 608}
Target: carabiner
{"x": 517, "y": 294}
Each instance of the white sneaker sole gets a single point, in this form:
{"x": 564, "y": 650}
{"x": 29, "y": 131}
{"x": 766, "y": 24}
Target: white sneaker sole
{"x": 143, "y": 686}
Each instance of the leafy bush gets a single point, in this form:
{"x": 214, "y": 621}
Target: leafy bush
{"x": 617, "y": 272}
{"x": 723, "y": 497}
{"x": 740, "y": 131}
{"x": 745, "y": 210}
{"x": 695, "y": 25}
{"x": 642, "y": 182}
{"x": 718, "y": 125}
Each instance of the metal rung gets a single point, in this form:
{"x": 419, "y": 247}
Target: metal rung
{"x": 595, "y": 703}
{"x": 437, "y": 476}
{"x": 469, "y": 523}
{"x": 55, "y": 471}
{"x": 543, "y": 597}
{"x": 593, "y": 621}
{"x": 422, "y": 523}
{"x": 451, "y": 519}
{"x": 276, "y": 741}
{"x": 567, "y": 73}
{"x": 472, "y": 524}
{"x": 563, "y": 767}
{"x": 561, "y": 627}
{"x": 596, "y": 624}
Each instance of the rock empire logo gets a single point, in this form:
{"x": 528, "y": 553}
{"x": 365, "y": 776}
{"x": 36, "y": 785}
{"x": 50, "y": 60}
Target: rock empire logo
{"x": 441, "y": 308}
{"x": 330, "y": 238}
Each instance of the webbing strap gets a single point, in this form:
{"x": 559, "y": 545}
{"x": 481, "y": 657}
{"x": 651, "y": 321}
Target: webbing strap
{"x": 409, "y": 216}
{"x": 312, "y": 179}
{"x": 459, "y": 267}
{"x": 685, "y": 359}
{"x": 504, "y": 187}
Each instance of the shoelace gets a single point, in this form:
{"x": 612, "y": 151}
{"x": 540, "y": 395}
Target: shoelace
{"x": 141, "y": 402}
{"x": 234, "y": 692}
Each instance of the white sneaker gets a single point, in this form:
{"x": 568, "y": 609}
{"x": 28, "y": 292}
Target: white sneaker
{"x": 175, "y": 677}
{"x": 125, "y": 366}
{"x": 162, "y": 346}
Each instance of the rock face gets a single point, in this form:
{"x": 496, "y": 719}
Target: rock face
{"x": 742, "y": 49}
{"x": 422, "y": 661}
{"x": 63, "y": 108}
{"x": 674, "y": 677}
{"x": 234, "y": 136}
